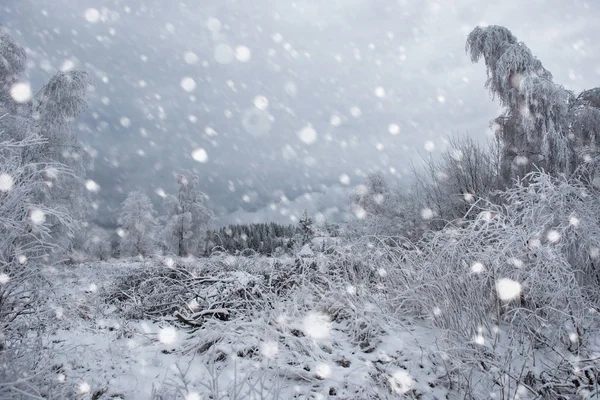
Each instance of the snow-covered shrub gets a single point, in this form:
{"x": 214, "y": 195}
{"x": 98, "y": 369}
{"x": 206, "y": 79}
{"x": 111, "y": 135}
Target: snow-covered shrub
{"x": 526, "y": 270}
{"x": 539, "y": 248}
{"x": 149, "y": 291}
{"x": 25, "y": 240}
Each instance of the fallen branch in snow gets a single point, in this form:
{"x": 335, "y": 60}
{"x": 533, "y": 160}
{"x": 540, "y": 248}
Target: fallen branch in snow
{"x": 187, "y": 321}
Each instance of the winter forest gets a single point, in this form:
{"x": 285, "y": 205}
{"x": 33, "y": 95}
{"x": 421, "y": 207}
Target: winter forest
{"x": 301, "y": 211}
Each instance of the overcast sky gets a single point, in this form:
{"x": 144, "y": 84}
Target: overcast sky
{"x": 282, "y": 99}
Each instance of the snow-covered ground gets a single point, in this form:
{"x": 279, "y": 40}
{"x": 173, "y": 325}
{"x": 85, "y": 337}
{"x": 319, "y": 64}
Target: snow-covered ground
{"x": 101, "y": 354}
{"x": 315, "y": 341}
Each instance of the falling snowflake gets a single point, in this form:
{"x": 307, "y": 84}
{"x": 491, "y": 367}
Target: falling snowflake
{"x": 193, "y": 396}
{"x": 188, "y": 84}
{"x": 344, "y": 179}
{"x": 168, "y": 335}
{"x": 335, "y": 120}
{"x": 37, "y": 216}
{"x": 477, "y": 268}
{"x": 277, "y": 37}
{"x": 92, "y": 186}
{"x": 67, "y": 65}
{"x": 516, "y": 80}
{"x": 243, "y": 54}
{"x": 358, "y": 211}
{"x": 400, "y": 382}
{"x": 316, "y": 325}
{"x": 429, "y": 146}
{"x": 380, "y": 92}
{"x": 308, "y": 135}
{"x": 92, "y": 15}
{"x": 394, "y": 129}
{"x": 553, "y": 236}
{"x": 574, "y": 221}
{"x": 479, "y": 339}
{"x": 213, "y": 24}
{"x": 21, "y": 92}
{"x": 4, "y": 279}
{"x": 261, "y": 102}
{"x": 427, "y": 213}
{"x": 84, "y": 388}
{"x": 521, "y": 160}
{"x": 323, "y": 371}
{"x": 125, "y": 122}
{"x": 516, "y": 262}
{"x": 573, "y": 337}
{"x": 191, "y": 58}
{"x": 508, "y": 289}
{"x": 200, "y": 155}
{"x": 269, "y": 349}
{"x": 6, "y": 182}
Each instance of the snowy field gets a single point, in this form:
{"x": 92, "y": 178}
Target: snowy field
{"x": 238, "y": 328}
{"x": 301, "y": 347}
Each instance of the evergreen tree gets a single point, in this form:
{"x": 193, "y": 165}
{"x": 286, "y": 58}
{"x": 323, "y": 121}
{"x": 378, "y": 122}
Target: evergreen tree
{"x": 261, "y": 238}
{"x": 306, "y": 228}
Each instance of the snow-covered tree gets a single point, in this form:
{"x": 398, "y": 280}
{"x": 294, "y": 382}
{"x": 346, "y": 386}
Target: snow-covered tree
{"x": 188, "y": 217}
{"x": 54, "y": 108}
{"x": 97, "y": 244}
{"x": 306, "y": 228}
{"x": 450, "y": 184}
{"x": 370, "y": 196}
{"x": 138, "y": 222}
{"x": 48, "y": 116}
{"x": 376, "y": 206}
{"x": 544, "y": 125}
{"x": 12, "y": 65}
{"x": 25, "y": 240}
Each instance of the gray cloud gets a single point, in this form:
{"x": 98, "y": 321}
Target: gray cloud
{"x": 334, "y": 54}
